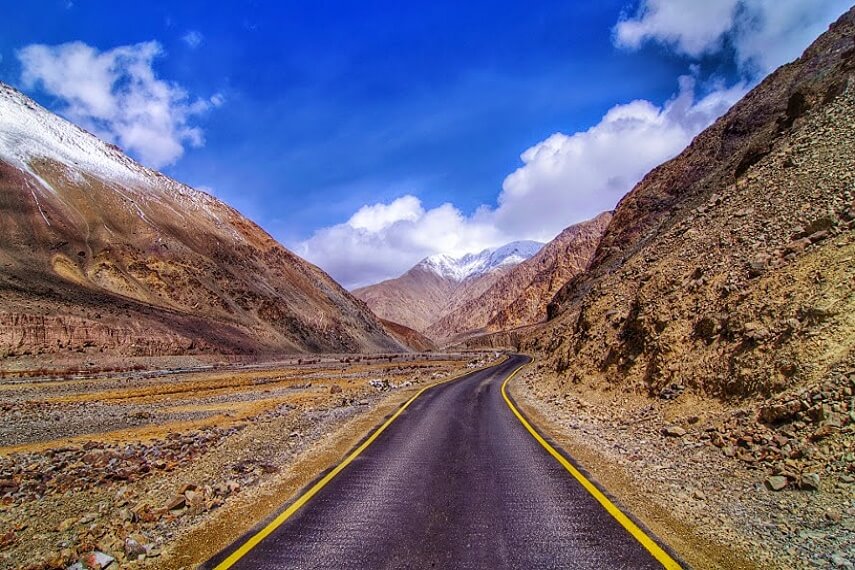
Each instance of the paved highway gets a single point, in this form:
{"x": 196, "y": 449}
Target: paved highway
{"x": 456, "y": 480}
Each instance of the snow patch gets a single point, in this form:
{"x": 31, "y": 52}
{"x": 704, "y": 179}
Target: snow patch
{"x": 473, "y": 264}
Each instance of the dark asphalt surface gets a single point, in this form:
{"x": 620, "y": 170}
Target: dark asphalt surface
{"x": 455, "y": 482}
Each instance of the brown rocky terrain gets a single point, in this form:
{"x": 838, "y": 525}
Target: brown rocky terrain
{"x": 415, "y": 298}
{"x": 409, "y": 337}
{"x": 161, "y": 469}
{"x": 704, "y": 362}
{"x": 519, "y": 297}
{"x": 440, "y": 284}
{"x": 100, "y": 254}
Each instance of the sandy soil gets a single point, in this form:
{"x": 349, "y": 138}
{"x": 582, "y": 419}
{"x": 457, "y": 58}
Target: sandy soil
{"x": 162, "y": 468}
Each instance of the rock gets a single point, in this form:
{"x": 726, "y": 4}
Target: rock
{"x": 779, "y": 413}
{"x": 133, "y": 548}
{"x": 809, "y": 481}
{"x": 756, "y": 331}
{"x": 673, "y": 431}
{"x": 797, "y": 246}
{"x": 177, "y": 502}
{"x": 66, "y": 524}
{"x": 193, "y": 498}
{"x": 776, "y": 482}
{"x": 335, "y": 389}
{"x": 818, "y": 236}
{"x": 8, "y": 539}
{"x": 92, "y": 561}
{"x": 698, "y": 495}
{"x": 757, "y": 265}
{"x": 822, "y": 432}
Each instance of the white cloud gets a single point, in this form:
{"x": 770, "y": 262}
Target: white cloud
{"x": 764, "y": 33}
{"x": 693, "y": 27}
{"x": 383, "y": 240}
{"x": 564, "y": 179}
{"x": 117, "y": 95}
{"x": 568, "y": 178}
{"x": 193, "y": 38}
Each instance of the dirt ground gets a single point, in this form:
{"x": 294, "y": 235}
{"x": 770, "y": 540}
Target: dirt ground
{"x": 699, "y": 473}
{"x": 163, "y": 468}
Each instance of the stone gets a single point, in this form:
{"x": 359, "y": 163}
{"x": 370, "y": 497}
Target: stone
{"x": 797, "y": 246}
{"x": 822, "y": 432}
{"x": 177, "y": 502}
{"x": 66, "y": 524}
{"x": 673, "y": 431}
{"x": 776, "y": 482}
{"x": 809, "y": 481}
{"x": 194, "y": 498}
{"x": 335, "y": 389}
{"x": 818, "y": 236}
{"x": 93, "y": 560}
{"x": 133, "y": 548}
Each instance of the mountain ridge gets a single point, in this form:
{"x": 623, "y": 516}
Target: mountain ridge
{"x": 438, "y": 284}
{"x": 102, "y": 254}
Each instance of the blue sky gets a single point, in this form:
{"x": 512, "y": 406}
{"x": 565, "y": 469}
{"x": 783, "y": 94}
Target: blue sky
{"x": 367, "y": 135}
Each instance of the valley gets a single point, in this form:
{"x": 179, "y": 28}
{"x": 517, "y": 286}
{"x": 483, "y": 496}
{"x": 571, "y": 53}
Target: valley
{"x": 161, "y": 469}
{"x": 667, "y": 383}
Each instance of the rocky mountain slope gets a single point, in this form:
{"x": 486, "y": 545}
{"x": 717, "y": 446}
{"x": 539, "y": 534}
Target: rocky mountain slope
{"x": 409, "y": 337}
{"x": 728, "y": 270}
{"x": 520, "y": 296}
{"x": 706, "y": 355}
{"x": 440, "y": 283}
{"x": 100, "y": 254}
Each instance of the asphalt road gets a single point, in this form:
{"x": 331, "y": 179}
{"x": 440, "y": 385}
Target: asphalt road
{"x": 456, "y": 481}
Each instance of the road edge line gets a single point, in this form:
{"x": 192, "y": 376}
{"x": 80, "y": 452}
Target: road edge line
{"x": 307, "y": 495}
{"x": 622, "y": 518}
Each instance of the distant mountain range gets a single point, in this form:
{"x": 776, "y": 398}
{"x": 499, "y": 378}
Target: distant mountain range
{"x": 438, "y": 284}
{"x": 102, "y": 255}
{"x": 477, "y": 264}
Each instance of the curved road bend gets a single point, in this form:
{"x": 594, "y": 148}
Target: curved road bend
{"x": 455, "y": 481}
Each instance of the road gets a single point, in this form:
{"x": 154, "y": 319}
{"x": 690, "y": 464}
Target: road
{"x": 455, "y": 481}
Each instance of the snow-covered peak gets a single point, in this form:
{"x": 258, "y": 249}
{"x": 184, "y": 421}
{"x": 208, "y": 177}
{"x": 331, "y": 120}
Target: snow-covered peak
{"x": 29, "y": 132}
{"x": 472, "y": 264}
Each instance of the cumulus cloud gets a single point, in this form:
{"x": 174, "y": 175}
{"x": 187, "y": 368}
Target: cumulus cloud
{"x": 564, "y": 179}
{"x": 568, "y": 178}
{"x": 117, "y": 95}
{"x": 763, "y": 33}
{"x": 193, "y": 38}
{"x": 384, "y": 240}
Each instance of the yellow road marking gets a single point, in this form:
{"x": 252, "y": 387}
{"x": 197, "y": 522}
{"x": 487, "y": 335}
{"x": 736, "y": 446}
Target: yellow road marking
{"x": 253, "y": 541}
{"x": 648, "y": 543}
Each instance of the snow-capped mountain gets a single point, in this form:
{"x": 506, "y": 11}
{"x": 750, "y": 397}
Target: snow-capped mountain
{"x": 463, "y": 267}
{"x": 101, "y": 254}
{"x": 440, "y": 283}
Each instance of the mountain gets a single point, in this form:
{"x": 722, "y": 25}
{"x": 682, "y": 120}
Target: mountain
{"x": 476, "y": 264}
{"x": 728, "y": 270}
{"x": 100, "y": 254}
{"x": 520, "y": 296}
{"x": 409, "y": 337}
{"x": 438, "y": 284}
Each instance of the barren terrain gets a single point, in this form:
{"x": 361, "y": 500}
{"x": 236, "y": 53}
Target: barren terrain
{"x": 163, "y": 468}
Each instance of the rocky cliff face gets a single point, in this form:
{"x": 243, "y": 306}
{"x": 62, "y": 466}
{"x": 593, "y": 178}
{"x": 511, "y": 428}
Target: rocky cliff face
{"x": 729, "y": 269}
{"x": 520, "y": 296}
{"x": 100, "y": 254}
